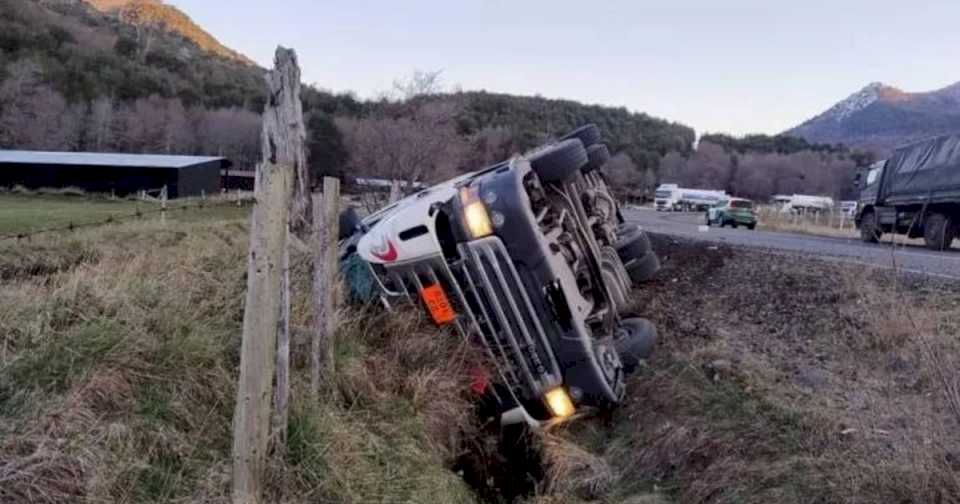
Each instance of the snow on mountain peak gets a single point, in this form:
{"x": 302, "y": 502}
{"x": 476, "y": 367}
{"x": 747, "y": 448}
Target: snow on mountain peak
{"x": 856, "y": 102}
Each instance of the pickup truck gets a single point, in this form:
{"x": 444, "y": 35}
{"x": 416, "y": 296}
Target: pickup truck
{"x": 529, "y": 258}
{"x": 916, "y": 192}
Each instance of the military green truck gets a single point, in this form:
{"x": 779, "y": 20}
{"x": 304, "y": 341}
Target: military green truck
{"x": 916, "y": 192}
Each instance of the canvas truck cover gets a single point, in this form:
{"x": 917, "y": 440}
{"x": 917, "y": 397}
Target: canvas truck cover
{"x": 926, "y": 171}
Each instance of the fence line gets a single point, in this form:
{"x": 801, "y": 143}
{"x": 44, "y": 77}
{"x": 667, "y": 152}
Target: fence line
{"x": 124, "y": 217}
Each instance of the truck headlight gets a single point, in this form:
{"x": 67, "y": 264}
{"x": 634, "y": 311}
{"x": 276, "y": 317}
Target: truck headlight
{"x": 559, "y": 403}
{"x": 475, "y": 213}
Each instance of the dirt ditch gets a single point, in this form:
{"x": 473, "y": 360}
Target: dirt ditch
{"x": 777, "y": 379}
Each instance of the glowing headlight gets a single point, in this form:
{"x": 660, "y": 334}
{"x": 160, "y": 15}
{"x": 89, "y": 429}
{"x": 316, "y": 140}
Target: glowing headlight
{"x": 559, "y": 403}
{"x": 475, "y": 214}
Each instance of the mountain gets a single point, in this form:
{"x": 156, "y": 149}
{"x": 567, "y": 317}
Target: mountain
{"x": 155, "y": 13}
{"x": 83, "y": 54}
{"x": 882, "y": 117}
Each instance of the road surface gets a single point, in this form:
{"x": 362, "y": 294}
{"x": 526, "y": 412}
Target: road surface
{"x": 912, "y": 259}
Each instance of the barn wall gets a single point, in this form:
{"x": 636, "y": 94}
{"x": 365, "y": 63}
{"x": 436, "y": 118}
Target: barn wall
{"x": 197, "y": 179}
{"x": 95, "y": 179}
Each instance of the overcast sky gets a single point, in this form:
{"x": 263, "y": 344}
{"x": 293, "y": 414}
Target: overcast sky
{"x": 737, "y": 66}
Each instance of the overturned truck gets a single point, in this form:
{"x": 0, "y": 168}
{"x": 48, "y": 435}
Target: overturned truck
{"x": 532, "y": 259}
{"x": 916, "y": 192}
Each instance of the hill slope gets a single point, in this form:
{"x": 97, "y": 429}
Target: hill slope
{"x": 156, "y": 13}
{"x": 882, "y": 117}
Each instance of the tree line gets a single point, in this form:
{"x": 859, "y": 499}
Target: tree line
{"x": 75, "y": 80}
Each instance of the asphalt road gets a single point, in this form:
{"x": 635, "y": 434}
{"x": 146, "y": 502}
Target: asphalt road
{"x": 907, "y": 258}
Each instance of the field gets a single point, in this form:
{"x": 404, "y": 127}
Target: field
{"x": 28, "y": 213}
{"x": 809, "y": 381}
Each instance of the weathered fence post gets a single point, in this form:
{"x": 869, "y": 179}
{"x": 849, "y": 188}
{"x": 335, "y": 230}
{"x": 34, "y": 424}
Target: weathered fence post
{"x": 395, "y": 192}
{"x": 163, "y": 205}
{"x": 251, "y": 421}
{"x": 283, "y": 140}
{"x": 266, "y": 334}
{"x": 326, "y": 227}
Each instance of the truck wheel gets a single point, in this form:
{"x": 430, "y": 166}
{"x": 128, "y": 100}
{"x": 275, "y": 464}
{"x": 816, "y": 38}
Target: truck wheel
{"x": 559, "y": 162}
{"x": 588, "y": 135}
{"x": 938, "y": 232}
{"x": 632, "y": 243}
{"x": 634, "y": 341}
{"x": 751, "y": 227}
{"x": 870, "y": 228}
{"x": 643, "y": 269}
{"x": 598, "y": 155}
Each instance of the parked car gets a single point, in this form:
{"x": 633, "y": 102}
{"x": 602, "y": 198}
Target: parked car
{"x": 531, "y": 259}
{"x": 732, "y": 212}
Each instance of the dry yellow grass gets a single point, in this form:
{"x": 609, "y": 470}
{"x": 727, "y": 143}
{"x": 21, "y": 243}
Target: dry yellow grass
{"x": 118, "y": 354}
{"x": 828, "y": 224}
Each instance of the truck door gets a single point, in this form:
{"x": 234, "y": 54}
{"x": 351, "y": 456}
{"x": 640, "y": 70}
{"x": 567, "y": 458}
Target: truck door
{"x": 870, "y": 188}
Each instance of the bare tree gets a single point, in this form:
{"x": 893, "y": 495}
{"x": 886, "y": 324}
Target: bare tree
{"x": 420, "y": 83}
{"x": 424, "y": 147}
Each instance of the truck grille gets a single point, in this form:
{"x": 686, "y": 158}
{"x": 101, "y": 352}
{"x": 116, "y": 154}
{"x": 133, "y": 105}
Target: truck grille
{"x": 492, "y": 305}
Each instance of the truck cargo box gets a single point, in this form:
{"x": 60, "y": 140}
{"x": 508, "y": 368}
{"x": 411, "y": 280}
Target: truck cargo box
{"x": 928, "y": 171}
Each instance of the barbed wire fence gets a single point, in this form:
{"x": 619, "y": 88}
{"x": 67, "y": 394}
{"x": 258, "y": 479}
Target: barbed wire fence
{"x": 163, "y": 208}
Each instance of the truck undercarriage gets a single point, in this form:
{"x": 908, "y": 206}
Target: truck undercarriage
{"x": 531, "y": 259}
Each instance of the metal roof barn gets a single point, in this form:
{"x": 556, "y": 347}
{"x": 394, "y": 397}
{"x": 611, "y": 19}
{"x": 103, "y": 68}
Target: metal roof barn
{"x": 120, "y": 174}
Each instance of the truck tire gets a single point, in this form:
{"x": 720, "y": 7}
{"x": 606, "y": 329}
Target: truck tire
{"x": 560, "y": 161}
{"x": 598, "y": 155}
{"x": 869, "y": 228}
{"x": 642, "y": 270}
{"x": 938, "y": 231}
{"x": 632, "y": 243}
{"x": 635, "y": 340}
{"x": 588, "y": 135}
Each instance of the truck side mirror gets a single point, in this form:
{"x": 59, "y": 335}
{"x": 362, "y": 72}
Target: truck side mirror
{"x": 856, "y": 180}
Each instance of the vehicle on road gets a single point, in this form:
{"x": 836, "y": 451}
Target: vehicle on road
{"x": 667, "y": 198}
{"x": 848, "y": 208}
{"x": 530, "y": 258}
{"x": 803, "y": 203}
{"x": 916, "y": 192}
{"x": 733, "y": 212}
{"x": 699, "y": 200}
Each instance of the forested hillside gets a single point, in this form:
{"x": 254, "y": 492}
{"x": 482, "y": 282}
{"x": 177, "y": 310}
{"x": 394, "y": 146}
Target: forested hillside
{"x": 158, "y": 14}
{"x": 75, "y": 78}
{"x": 72, "y": 78}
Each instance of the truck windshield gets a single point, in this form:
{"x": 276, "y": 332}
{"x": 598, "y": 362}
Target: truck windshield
{"x": 663, "y": 194}
{"x": 742, "y": 204}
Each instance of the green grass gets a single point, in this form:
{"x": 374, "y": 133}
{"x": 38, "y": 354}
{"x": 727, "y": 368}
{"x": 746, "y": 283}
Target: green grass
{"x": 20, "y": 213}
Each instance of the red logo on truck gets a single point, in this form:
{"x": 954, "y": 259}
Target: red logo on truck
{"x": 386, "y": 252}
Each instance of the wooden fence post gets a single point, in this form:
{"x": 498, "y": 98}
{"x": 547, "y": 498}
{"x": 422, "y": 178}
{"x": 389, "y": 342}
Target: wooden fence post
{"x": 281, "y": 398}
{"x": 266, "y": 332}
{"x": 283, "y": 142}
{"x": 163, "y": 204}
{"x": 326, "y": 227}
{"x": 395, "y": 192}
{"x": 251, "y": 421}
